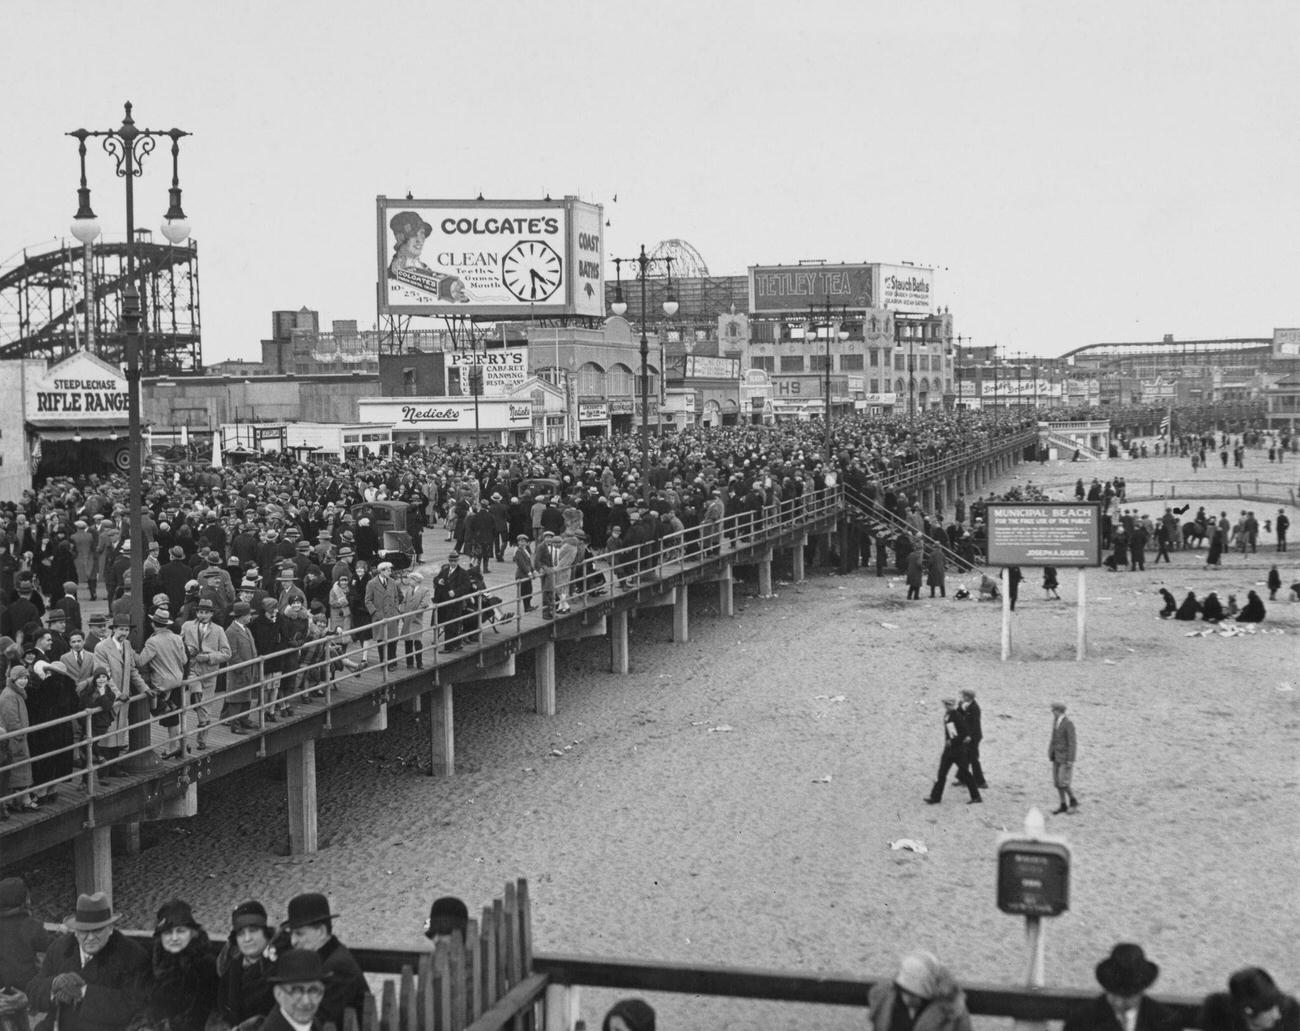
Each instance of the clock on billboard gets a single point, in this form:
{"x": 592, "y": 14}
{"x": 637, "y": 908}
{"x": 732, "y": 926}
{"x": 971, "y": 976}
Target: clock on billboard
{"x": 531, "y": 270}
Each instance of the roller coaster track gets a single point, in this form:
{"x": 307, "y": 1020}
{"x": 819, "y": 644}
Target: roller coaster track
{"x": 43, "y": 307}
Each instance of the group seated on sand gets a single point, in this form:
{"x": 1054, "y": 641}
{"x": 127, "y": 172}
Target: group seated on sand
{"x": 1211, "y": 610}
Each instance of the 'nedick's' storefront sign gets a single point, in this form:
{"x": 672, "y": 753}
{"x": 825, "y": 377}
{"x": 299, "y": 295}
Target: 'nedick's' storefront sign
{"x": 439, "y": 413}
{"x": 79, "y": 387}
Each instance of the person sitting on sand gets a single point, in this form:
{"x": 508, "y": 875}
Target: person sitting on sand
{"x": 989, "y": 588}
{"x": 1189, "y": 609}
{"x": 1254, "y": 610}
{"x": 1212, "y": 609}
{"x": 1233, "y": 608}
{"x": 1171, "y": 606}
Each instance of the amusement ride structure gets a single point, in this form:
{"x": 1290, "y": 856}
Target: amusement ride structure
{"x": 44, "y": 314}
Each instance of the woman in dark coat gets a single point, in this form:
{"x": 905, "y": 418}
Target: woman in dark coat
{"x": 1254, "y": 610}
{"x": 51, "y": 695}
{"x": 915, "y": 574}
{"x": 243, "y": 968}
{"x": 1253, "y": 1002}
{"x": 1214, "y": 558}
{"x": 184, "y": 991}
{"x": 935, "y": 574}
{"x": 1212, "y": 609}
{"x": 1189, "y": 609}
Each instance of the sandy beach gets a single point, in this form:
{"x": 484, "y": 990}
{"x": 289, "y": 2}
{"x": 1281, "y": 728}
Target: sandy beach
{"x": 732, "y": 799}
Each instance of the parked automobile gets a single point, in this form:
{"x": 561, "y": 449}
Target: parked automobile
{"x": 536, "y": 485}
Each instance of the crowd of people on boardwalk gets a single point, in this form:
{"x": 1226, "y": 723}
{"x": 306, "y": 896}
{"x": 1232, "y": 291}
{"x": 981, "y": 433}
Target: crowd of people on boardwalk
{"x": 269, "y": 572}
{"x": 296, "y": 975}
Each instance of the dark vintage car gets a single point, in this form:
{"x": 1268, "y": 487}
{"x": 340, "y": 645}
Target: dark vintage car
{"x": 535, "y": 485}
{"x": 388, "y": 520}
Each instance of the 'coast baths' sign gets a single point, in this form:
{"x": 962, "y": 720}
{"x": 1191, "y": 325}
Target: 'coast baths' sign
{"x": 81, "y": 389}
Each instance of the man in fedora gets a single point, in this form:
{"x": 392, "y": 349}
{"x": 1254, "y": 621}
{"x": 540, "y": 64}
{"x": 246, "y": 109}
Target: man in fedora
{"x": 163, "y": 661}
{"x": 384, "y": 601}
{"x": 311, "y": 928}
{"x": 117, "y": 656}
{"x": 299, "y": 983}
{"x": 93, "y": 978}
{"x": 207, "y": 649}
{"x": 243, "y": 649}
{"x": 1124, "y": 976}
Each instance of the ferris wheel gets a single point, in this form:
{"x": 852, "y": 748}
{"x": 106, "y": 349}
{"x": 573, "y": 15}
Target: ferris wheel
{"x": 686, "y": 260}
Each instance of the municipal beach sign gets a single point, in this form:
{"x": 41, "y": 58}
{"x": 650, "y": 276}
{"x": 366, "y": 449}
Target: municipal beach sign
{"x": 1044, "y": 534}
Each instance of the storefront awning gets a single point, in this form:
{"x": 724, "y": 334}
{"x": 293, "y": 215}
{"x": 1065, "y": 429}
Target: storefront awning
{"x": 81, "y": 433}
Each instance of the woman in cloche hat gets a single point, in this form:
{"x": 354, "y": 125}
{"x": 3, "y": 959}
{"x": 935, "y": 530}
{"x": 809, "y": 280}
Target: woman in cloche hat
{"x": 184, "y": 991}
{"x": 243, "y": 968}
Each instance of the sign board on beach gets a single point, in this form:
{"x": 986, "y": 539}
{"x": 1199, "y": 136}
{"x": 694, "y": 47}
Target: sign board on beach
{"x": 1044, "y": 534}
{"x": 1033, "y": 877}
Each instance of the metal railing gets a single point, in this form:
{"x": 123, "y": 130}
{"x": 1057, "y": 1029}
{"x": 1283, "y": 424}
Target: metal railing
{"x": 872, "y": 511}
{"x": 315, "y": 672}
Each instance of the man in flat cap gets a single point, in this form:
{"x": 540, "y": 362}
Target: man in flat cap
{"x": 1061, "y": 751}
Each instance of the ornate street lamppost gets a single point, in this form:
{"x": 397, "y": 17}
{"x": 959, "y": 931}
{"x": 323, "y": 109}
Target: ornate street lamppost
{"x": 826, "y": 329}
{"x": 129, "y": 145}
{"x": 644, "y": 263}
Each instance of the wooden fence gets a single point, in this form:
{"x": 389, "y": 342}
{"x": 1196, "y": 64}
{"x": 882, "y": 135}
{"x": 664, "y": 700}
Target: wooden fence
{"x": 491, "y": 979}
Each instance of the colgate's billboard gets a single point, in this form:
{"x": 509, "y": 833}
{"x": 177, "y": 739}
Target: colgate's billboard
{"x": 908, "y": 288}
{"x": 490, "y": 258}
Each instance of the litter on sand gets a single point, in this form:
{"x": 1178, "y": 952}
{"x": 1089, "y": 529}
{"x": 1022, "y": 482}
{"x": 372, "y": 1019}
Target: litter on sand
{"x": 908, "y": 845}
{"x": 721, "y": 728}
{"x": 822, "y": 780}
{"x": 830, "y": 698}
{"x": 890, "y": 626}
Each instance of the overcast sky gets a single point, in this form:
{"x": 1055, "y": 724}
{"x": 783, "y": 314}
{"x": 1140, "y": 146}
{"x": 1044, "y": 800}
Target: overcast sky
{"x": 1075, "y": 173}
